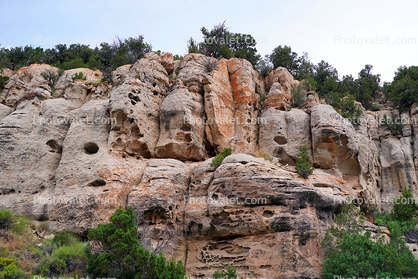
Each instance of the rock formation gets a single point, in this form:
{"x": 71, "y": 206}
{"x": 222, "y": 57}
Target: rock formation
{"x": 73, "y": 156}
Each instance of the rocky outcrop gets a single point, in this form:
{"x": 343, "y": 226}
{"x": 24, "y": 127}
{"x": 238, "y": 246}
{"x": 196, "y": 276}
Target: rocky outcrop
{"x": 182, "y": 131}
{"x": 135, "y": 106}
{"x": 283, "y": 132}
{"x": 27, "y": 82}
{"x": 237, "y": 213}
{"x": 6, "y": 72}
{"x": 148, "y": 140}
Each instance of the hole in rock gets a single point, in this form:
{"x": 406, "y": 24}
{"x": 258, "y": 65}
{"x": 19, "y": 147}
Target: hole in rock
{"x": 268, "y": 213}
{"x": 91, "y": 148}
{"x": 280, "y": 140}
{"x": 54, "y": 146}
{"x": 98, "y": 182}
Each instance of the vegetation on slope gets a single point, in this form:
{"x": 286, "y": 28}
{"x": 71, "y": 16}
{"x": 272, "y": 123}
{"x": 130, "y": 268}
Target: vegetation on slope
{"x": 26, "y": 251}
{"x": 354, "y": 252}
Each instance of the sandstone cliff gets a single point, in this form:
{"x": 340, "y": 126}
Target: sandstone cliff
{"x": 146, "y": 142}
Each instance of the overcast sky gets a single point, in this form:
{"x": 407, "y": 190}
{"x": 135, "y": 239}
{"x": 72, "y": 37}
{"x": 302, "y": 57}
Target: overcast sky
{"x": 347, "y": 34}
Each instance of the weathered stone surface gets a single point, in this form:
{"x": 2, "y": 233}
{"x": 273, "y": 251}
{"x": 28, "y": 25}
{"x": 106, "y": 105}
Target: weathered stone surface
{"x": 31, "y": 141}
{"x": 119, "y": 73}
{"x": 67, "y": 77}
{"x": 244, "y": 89}
{"x": 167, "y": 61}
{"x": 337, "y": 145}
{"x": 90, "y": 183}
{"x": 219, "y": 108}
{"x": 160, "y": 194}
{"x": 4, "y": 111}
{"x": 310, "y": 99}
{"x": 398, "y": 170}
{"x": 135, "y": 106}
{"x": 74, "y": 159}
{"x": 182, "y": 130}
{"x": 5, "y": 72}
{"x": 28, "y": 81}
{"x": 283, "y": 132}
{"x": 252, "y": 206}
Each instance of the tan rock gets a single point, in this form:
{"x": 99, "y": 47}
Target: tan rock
{"x": 244, "y": 85}
{"x": 28, "y": 83}
{"x": 283, "y": 132}
{"x": 5, "y": 72}
{"x": 119, "y": 73}
{"x": 135, "y": 106}
{"x": 4, "y": 111}
{"x": 398, "y": 170}
{"x": 31, "y": 148}
{"x": 182, "y": 127}
{"x": 167, "y": 61}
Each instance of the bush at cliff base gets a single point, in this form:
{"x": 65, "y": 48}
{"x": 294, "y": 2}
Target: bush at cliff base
{"x": 115, "y": 252}
{"x": 353, "y": 252}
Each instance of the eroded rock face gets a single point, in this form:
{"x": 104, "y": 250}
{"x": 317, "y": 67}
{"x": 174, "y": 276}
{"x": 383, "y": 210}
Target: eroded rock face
{"x": 119, "y": 73}
{"x": 4, "y": 111}
{"x": 28, "y": 81}
{"x": 244, "y": 89}
{"x": 31, "y": 142}
{"x": 6, "y": 72}
{"x": 90, "y": 183}
{"x": 146, "y": 141}
{"x": 219, "y": 108}
{"x": 182, "y": 130}
{"x": 283, "y": 132}
{"x": 279, "y": 84}
{"x": 79, "y": 91}
{"x": 281, "y": 212}
{"x": 398, "y": 170}
{"x": 135, "y": 106}
{"x": 337, "y": 147}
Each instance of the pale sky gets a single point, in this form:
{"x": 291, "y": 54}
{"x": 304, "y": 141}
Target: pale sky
{"x": 346, "y": 34}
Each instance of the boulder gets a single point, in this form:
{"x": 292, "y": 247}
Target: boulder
{"x": 28, "y": 82}
{"x": 283, "y": 132}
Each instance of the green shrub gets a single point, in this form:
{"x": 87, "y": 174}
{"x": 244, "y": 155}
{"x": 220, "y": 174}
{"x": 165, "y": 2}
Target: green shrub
{"x": 262, "y": 98}
{"x": 231, "y": 273}
{"x": 375, "y": 107}
{"x": 210, "y": 64}
{"x": 217, "y": 161}
{"x": 64, "y": 238}
{"x": 74, "y": 64}
{"x": 177, "y": 57}
{"x": 5, "y": 218}
{"x": 297, "y": 95}
{"x": 393, "y": 124}
{"x": 303, "y": 166}
{"x": 3, "y": 81}
{"x": 405, "y": 206}
{"x": 51, "y": 77}
{"x": 79, "y": 75}
{"x": 350, "y": 110}
{"x": 352, "y": 251}
{"x": 64, "y": 259}
{"x": 115, "y": 252}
